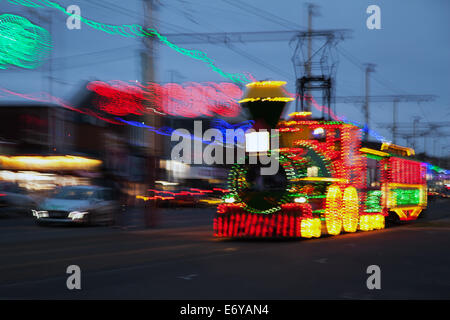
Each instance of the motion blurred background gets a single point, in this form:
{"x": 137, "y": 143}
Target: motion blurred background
{"x": 97, "y": 106}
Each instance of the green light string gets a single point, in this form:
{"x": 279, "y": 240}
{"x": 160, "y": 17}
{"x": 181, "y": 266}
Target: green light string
{"x": 137, "y": 30}
{"x": 373, "y": 201}
{"x": 22, "y": 43}
{"x": 237, "y": 182}
{"x": 407, "y": 196}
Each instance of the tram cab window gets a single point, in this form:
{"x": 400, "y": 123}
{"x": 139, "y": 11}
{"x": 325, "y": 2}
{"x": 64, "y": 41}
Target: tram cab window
{"x": 373, "y": 173}
{"x": 312, "y": 171}
{"x": 337, "y": 141}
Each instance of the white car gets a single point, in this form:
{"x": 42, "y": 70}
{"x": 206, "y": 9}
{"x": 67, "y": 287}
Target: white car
{"x": 78, "y": 204}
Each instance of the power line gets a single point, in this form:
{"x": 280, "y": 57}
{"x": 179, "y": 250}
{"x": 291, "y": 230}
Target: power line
{"x": 255, "y": 59}
{"x": 264, "y": 14}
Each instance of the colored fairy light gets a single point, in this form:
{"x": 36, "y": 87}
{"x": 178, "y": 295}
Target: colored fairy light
{"x": 406, "y": 196}
{"x": 373, "y": 201}
{"x": 368, "y": 222}
{"x": 22, "y": 43}
{"x": 333, "y": 214}
{"x": 311, "y": 228}
{"x": 266, "y": 91}
{"x": 350, "y": 209}
{"x": 136, "y": 30}
{"x": 374, "y": 152}
{"x": 300, "y": 114}
{"x": 403, "y": 151}
{"x": 330, "y": 174}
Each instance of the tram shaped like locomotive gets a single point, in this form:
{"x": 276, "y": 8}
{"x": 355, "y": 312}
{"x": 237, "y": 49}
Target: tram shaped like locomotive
{"x": 327, "y": 182}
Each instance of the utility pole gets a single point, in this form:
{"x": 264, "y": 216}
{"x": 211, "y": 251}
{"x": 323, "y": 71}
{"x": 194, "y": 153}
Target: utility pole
{"x": 394, "y": 121}
{"x": 315, "y": 69}
{"x": 370, "y": 67}
{"x": 308, "y": 65}
{"x": 154, "y": 143}
{"x": 50, "y": 63}
{"x": 415, "y": 122}
{"x": 434, "y": 147}
{"x": 388, "y": 98}
{"x": 309, "y": 75}
{"x": 310, "y": 15}
{"x": 419, "y": 129}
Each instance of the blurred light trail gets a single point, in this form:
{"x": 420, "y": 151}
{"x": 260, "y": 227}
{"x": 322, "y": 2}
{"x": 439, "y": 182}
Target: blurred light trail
{"x": 137, "y": 30}
{"x": 223, "y": 126}
{"x": 66, "y": 162}
{"x": 47, "y": 98}
{"x": 192, "y": 192}
{"x": 22, "y": 43}
{"x": 190, "y": 100}
{"x": 167, "y": 131}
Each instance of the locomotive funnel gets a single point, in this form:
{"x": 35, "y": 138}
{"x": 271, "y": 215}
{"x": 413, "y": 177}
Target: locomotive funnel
{"x": 266, "y": 100}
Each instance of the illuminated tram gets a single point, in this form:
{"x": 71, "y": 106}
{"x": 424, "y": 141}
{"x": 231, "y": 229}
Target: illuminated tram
{"x": 328, "y": 182}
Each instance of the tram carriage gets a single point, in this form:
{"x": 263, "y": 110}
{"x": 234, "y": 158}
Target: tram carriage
{"x": 328, "y": 182}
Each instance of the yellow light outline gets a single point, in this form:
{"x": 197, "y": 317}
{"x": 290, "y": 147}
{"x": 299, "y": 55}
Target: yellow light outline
{"x": 333, "y": 210}
{"x": 300, "y": 114}
{"x": 386, "y": 146}
{"x": 266, "y": 84}
{"x": 350, "y": 208}
{"x": 282, "y": 99}
{"x": 325, "y": 179}
{"x": 374, "y": 152}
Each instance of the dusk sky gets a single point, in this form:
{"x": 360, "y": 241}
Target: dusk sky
{"x": 411, "y": 51}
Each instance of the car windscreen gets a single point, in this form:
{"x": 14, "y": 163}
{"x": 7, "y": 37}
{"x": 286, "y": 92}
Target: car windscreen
{"x": 73, "y": 194}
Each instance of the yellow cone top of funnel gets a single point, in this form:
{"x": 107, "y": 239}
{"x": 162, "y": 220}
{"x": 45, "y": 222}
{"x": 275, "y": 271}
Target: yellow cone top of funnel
{"x": 266, "y": 91}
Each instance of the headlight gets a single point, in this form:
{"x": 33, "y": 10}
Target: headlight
{"x": 300, "y": 200}
{"x": 40, "y": 214}
{"x": 319, "y": 133}
{"x": 230, "y": 200}
{"x": 77, "y": 215}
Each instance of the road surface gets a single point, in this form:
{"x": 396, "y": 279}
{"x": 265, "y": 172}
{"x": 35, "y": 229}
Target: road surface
{"x": 180, "y": 259}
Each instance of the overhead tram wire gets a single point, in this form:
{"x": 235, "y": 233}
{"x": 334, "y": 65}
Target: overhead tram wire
{"x": 92, "y": 55}
{"x": 256, "y": 60}
{"x": 288, "y": 24}
{"x": 119, "y": 9}
{"x": 120, "y": 50}
{"x": 264, "y": 64}
{"x": 264, "y": 14}
{"x": 396, "y": 91}
{"x": 221, "y": 11}
{"x": 134, "y": 14}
